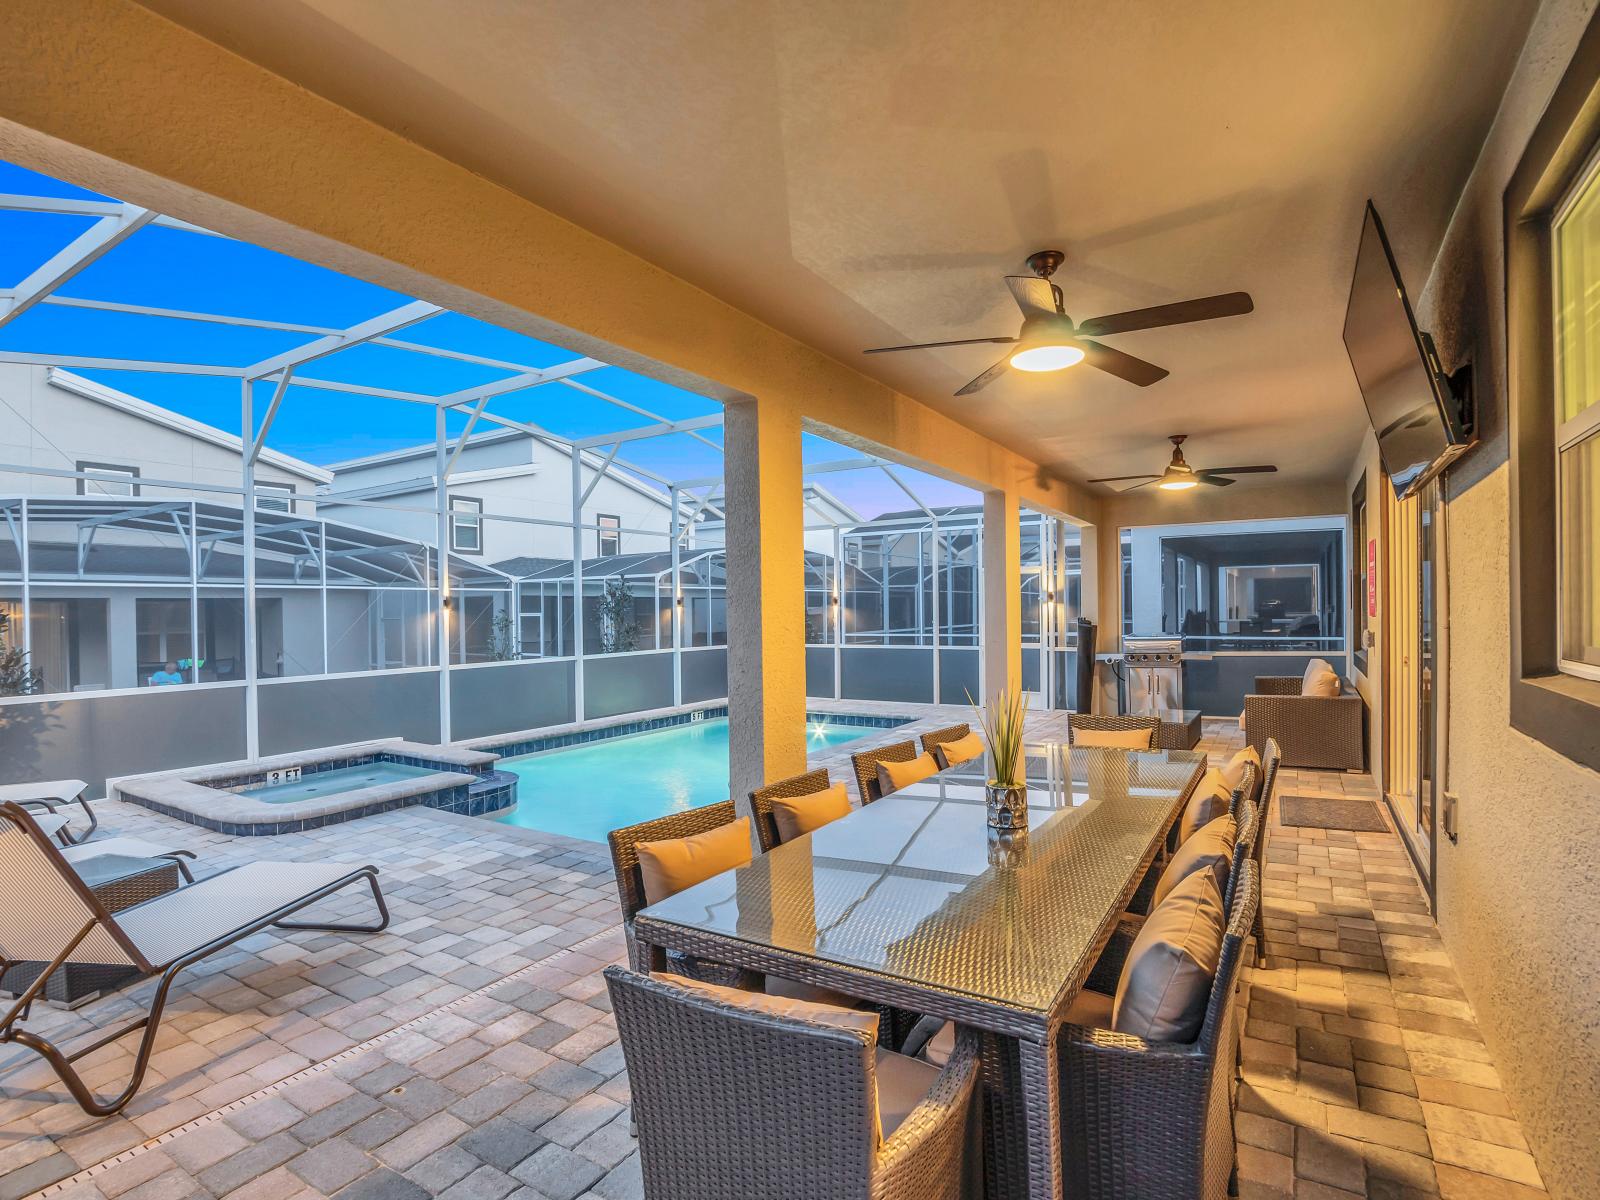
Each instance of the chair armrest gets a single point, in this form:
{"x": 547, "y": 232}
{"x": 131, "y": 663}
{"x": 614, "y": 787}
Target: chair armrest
{"x": 1278, "y": 685}
{"x": 928, "y": 1157}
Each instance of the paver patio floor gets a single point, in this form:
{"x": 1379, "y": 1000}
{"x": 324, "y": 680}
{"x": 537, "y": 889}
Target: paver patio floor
{"x": 469, "y": 1051}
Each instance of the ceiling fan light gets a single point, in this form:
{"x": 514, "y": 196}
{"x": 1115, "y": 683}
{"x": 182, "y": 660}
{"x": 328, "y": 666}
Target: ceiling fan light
{"x": 1047, "y": 357}
{"x": 1179, "y": 483}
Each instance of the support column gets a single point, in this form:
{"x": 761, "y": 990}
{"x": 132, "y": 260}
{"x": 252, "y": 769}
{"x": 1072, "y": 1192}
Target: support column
{"x": 1002, "y": 593}
{"x": 442, "y": 598}
{"x": 766, "y": 594}
{"x": 252, "y": 707}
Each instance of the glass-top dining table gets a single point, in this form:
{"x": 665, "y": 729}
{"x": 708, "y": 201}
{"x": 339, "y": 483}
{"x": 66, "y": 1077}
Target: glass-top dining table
{"x": 913, "y": 903}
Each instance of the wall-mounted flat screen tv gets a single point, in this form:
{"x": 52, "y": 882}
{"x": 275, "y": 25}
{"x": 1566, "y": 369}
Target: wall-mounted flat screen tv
{"x": 1419, "y": 420}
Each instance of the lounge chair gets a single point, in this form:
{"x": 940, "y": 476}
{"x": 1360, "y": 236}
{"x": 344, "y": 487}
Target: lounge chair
{"x": 45, "y": 797}
{"x": 48, "y": 914}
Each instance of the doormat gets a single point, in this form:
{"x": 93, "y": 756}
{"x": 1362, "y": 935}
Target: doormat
{"x": 1318, "y": 812}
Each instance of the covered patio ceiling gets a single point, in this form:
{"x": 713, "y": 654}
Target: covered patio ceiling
{"x": 869, "y": 178}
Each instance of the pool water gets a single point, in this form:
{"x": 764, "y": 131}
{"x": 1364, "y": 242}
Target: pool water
{"x": 341, "y": 779}
{"x": 587, "y": 791}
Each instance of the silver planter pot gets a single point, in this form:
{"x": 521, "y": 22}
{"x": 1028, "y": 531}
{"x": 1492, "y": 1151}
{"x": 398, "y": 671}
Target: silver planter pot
{"x": 1007, "y": 806}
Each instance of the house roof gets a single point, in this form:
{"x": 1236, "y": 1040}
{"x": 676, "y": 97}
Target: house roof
{"x": 428, "y": 450}
{"x": 89, "y": 389}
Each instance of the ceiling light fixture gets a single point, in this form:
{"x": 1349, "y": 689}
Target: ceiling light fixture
{"x": 1178, "y": 483}
{"x": 1046, "y": 344}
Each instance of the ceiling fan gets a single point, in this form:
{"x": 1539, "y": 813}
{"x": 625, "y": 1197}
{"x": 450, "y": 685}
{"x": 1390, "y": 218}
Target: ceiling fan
{"x": 1049, "y": 340}
{"x": 1180, "y": 476}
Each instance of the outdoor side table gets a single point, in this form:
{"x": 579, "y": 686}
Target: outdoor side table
{"x": 118, "y": 881}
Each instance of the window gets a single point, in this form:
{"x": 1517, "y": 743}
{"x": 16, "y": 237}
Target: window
{"x": 609, "y": 536}
{"x": 1576, "y": 247}
{"x": 109, "y": 487}
{"x": 466, "y": 525}
{"x": 1552, "y": 257}
{"x": 274, "y": 497}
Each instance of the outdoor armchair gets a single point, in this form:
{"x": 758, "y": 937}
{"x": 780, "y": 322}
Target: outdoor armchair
{"x": 48, "y": 915}
{"x": 732, "y": 1104}
{"x": 1311, "y": 731}
{"x": 1155, "y": 1119}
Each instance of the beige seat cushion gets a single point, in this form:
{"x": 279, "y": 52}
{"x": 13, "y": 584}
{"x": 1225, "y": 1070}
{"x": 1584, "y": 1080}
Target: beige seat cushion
{"x": 903, "y": 1083}
{"x": 892, "y": 776}
{"x": 1117, "y": 739}
{"x": 1212, "y": 797}
{"x": 894, "y": 1101}
{"x": 1166, "y": 982}
{"x": 793, "y": 989}
{"x": 1320, "y": 679}
{"x": 953, "y": 754}
{"x": 669, "y": 866}
{"x": 795, "y": 815}
{"x": 1233, "y": 769}
{"x": 1210, "y": 849}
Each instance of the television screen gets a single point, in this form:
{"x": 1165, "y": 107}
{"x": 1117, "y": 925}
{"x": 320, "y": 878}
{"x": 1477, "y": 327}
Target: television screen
{"x": 1405, "y": 397}
{"x": 1293, "y": 596}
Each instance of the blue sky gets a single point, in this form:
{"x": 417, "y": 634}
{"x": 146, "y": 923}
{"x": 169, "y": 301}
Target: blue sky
{"x": 169, "y": 268}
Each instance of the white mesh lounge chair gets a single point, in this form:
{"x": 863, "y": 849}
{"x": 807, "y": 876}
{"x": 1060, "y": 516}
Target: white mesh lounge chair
{"x": 48, "y": 914}
{"x": 44, "y": 798}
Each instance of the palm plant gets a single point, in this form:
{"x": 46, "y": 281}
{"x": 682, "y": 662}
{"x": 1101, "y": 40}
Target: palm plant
{"x": 1001, "y": 723}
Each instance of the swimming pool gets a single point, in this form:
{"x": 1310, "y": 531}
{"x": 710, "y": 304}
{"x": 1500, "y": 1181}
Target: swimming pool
{"x": 587, "y": 791}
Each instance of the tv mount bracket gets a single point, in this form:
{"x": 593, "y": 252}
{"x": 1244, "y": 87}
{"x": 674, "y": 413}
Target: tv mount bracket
{"x": 1457, "y": 386}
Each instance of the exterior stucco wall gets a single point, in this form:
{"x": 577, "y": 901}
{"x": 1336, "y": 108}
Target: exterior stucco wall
{"x": 1517, "y": 892}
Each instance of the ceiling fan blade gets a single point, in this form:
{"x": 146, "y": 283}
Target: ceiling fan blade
{"x": 1123, "y": 478}
{"x": 1255, "y": 470}
{"x": 1216, "y": 480}
{"x": 936, "y": 345}
{"x": 1123, "y": 366}
{"x": 1032, "y": 294}
{"x": 1208, "y": 308}
{"x": 988, "y": 377}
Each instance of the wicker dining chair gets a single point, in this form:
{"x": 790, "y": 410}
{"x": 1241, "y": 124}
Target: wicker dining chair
{"x": 1102, "y": 722}
{"x": 630, "y": 890}
{"x": 1248, "y": 788}
{"x": 761, "y": 799}
{"x": 1270, "y": 763}
{"x": 1155, "y": 1119}
{"x": 865, "y": 763}
{"x": 938, "y": 737}
{"x": 732, "y": 1104}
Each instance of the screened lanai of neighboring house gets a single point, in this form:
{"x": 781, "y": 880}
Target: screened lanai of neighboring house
{"x": 227, "y": 476}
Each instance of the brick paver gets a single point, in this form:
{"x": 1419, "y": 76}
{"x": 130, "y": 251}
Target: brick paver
{"x": 1363, "y": 1070}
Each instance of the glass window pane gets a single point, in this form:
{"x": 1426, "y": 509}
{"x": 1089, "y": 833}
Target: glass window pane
{"x": 1580, "y": 553}
{"x": 1577, "y": 249}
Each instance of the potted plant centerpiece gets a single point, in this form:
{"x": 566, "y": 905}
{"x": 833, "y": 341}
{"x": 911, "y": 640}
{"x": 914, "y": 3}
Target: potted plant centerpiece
{"x": 1006, "y": 793}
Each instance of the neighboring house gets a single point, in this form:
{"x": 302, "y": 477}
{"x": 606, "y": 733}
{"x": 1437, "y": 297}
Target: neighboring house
{"x": 112, "y": 563}
{"x": 507, "y": 473}
{"x": 57, "y": 420}
{"x": 823, "y": 512}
